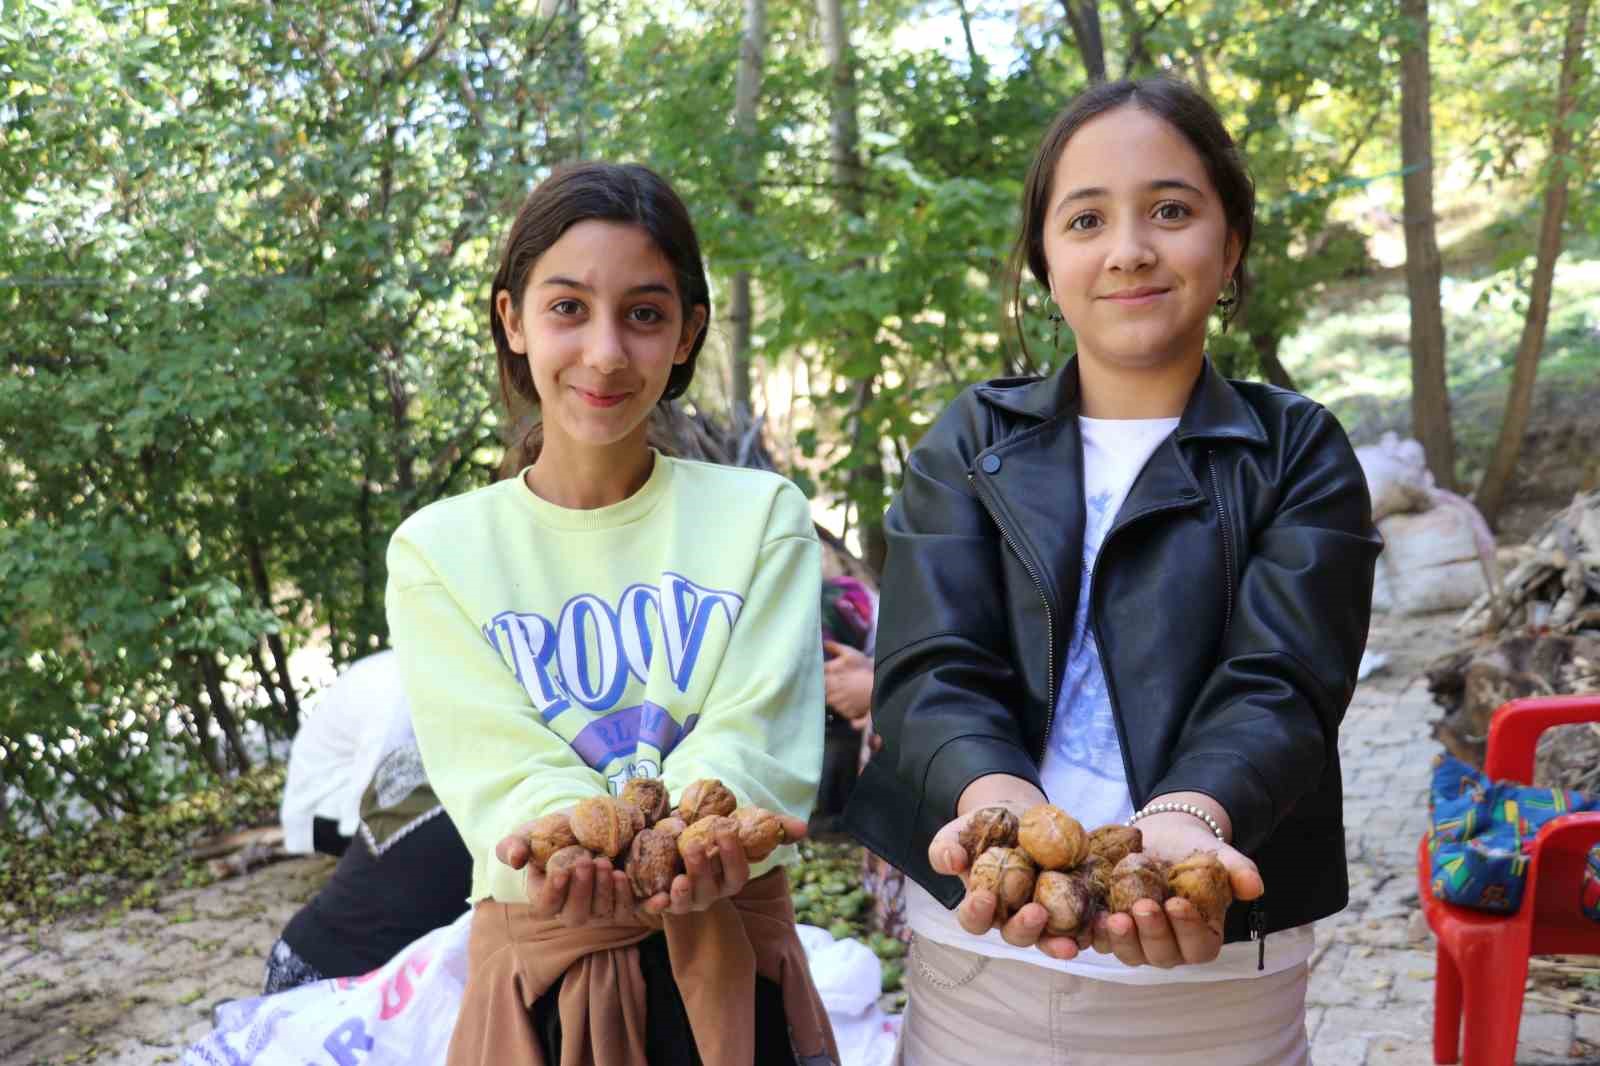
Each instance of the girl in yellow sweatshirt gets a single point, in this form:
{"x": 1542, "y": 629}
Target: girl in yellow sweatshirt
{"x": 609, "y": 613}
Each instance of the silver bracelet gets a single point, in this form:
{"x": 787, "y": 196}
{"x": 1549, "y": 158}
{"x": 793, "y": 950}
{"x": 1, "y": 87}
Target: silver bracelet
{"x": 1179, "y": 808}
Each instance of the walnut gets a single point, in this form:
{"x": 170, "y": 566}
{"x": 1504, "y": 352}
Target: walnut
{"x": 705, "y": 797}
{"x": 1097, "y": 869}
{"x": 1068, "y": 899}
{"x": 650, "y": 796}
{"x": 549, "y": 835}
{"x": 603, "y": 825}
{"x": 988, "y": 827}
{"x": 566, "y": 858}
{"x": 652, "y": 864}
{"x": 670, "y": 827}
{"x": 760, "y": 831}
{"x": 1112, "y": 842}
{"x": 1138, "y": 876}
{"x": 1009, "y": 874}
{"x": 702, "y": 835}
{"x": 1052, "y": 837}
{"x": 1203, "y": 881}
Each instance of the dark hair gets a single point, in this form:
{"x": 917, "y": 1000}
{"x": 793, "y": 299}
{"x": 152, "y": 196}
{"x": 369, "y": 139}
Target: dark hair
{"x": 1192, "y": 115}
{"x": 609, "y": 192}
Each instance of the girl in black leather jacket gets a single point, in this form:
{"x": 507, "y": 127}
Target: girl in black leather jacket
{"x": 1140, "y": 591}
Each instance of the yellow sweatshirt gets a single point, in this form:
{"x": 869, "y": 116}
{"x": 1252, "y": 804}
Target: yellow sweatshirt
{"x": 551, "y": 654}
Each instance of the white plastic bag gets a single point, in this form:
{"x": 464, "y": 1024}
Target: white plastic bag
{"x": 849, "y": 978}
{"x": 1429, "y": 563}
{"x": 1397, "y": 476}
{"x": 398, "y": 1015}
{"x": 403, "y": 1013}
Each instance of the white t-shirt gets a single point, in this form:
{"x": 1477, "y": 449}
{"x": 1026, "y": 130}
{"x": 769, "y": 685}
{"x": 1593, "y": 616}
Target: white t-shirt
{"x": 1082, "y": 771}
{"x": 337, "y": 749}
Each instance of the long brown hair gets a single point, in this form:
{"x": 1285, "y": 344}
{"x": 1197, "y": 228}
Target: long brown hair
{"x": 609, "y": 192}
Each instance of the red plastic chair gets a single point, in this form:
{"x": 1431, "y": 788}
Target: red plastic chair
{"x": 1483, "y": 957}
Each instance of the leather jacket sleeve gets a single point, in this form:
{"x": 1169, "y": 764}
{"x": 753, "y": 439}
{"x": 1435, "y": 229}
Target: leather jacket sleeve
{"x": 945, "y": 660}
{"x": 1265, "y": 722}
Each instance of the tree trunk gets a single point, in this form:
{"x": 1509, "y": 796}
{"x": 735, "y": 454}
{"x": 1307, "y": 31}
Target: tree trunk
{"x": 866, "y": 480}
{"x": 747, "y": 95}
{"x": 212, "y": 676}
{"x": 1430, "y": 395}
{"x": 570, "y": 64}
{"x": 1084, "y": 18}
{"x": 1266, "y": 349}
{"x": 280, "y": 688}
{"x": 1491, "y": 493}
{"x": 199, "y": 719}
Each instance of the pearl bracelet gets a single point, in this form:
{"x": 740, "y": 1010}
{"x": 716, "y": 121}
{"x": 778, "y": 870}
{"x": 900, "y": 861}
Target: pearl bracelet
{"x": 1179, "y": 808}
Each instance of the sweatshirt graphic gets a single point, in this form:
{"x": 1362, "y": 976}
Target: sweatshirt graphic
{"x": 552, "y": 654}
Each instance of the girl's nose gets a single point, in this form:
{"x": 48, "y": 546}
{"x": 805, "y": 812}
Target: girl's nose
{"x": 605, "y": 351}
{"x": 1131, "y": 249}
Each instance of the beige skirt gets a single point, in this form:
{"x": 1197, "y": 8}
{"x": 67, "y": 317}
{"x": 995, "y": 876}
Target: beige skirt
{"x": 966, "y": 1009}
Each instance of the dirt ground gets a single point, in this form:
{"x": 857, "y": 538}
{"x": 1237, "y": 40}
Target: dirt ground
{"x": 135, "y": 989}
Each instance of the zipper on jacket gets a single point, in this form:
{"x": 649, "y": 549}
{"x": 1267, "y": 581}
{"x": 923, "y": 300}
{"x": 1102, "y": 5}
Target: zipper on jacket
{"x": 1258, "y": 932}
{"x": 1049, "y": 614}
{"x": 1227, "y": 543}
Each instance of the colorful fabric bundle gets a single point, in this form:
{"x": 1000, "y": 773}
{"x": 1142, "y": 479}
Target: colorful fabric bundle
{"x": 846, "y": 612}
{"x": 1482, "y": 831}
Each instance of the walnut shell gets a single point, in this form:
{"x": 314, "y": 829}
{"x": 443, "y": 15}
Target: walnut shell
{"x": 1137, "y": 876}
{"x": 650, "y": 796}
{"x": 566, "y": 858}
{"x": 1203, "y": 881}
{"x": 704, "y": 798}
{"x": 1098, "y": 872}
{"x": 652, "y": 864}
{"x": 988, "y": 827}
{"x": 1052, "y": 837}
{"x": 1112, "y": 842}
{"x": 702, "y": 835}
{"x": 670, "y": 827}
{"x": 1009, "y": 874}
{"x": 760, "y": 831}
{"x": 1068, "y": 899}
{"x": 603, "y": 825}
{"x": 549, "y": 835}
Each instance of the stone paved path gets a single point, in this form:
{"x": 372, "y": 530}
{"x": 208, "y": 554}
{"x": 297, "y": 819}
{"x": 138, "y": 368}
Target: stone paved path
{"x": 1371, "y": 996}
{"x": 135, "y": 989}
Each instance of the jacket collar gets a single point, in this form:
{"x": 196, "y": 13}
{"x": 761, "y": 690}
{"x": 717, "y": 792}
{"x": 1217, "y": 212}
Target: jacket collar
{"x": 1215, "y": 410}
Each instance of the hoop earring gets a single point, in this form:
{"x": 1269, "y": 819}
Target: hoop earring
{"x": 1230, "y": 294}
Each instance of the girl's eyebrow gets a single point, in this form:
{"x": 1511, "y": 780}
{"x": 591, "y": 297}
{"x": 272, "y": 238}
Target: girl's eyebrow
{"x": 573, "y": 283}
{"x": 1092, "y": 191}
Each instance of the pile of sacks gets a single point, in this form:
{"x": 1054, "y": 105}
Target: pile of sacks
{"x": 1438, "y": 551}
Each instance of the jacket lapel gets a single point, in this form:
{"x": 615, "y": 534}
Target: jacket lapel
{"x": 1033, "y": 478}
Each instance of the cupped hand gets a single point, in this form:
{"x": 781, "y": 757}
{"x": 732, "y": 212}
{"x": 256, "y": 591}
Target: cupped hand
{"x": 593, "y": 891}
{"x": 1024, "y": 929}
{"x": 715, "y": 872}
{"x": 1175, "y": 933}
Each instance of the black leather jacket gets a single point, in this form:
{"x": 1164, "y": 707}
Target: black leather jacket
{"x": 1230, "y": 604}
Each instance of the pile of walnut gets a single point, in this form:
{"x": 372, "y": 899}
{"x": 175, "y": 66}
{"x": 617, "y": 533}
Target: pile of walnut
{"x": 1047, "y": 857}
{"x": 654, "y": 837}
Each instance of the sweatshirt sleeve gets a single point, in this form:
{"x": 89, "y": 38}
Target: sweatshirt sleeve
{"x": 760, "y": 730}
{"x": 491, "y": 760}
